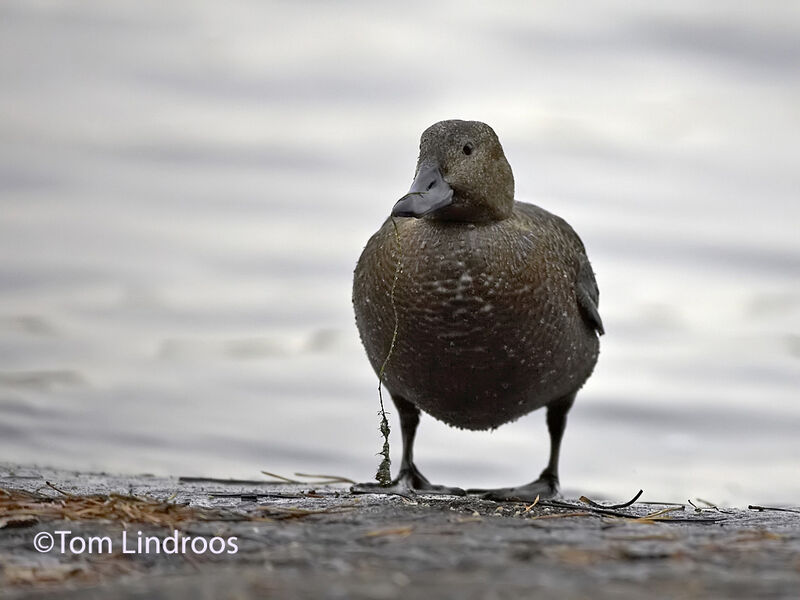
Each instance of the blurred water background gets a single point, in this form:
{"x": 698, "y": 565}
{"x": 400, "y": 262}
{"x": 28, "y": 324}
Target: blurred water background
{"x": 185, "y": 188}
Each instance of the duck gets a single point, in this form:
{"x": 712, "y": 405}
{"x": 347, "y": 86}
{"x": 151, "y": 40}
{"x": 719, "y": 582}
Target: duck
{"x": 486, "y": 307}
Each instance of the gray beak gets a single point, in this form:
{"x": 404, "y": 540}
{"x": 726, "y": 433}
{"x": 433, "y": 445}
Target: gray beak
{"x": 428, "y": 193}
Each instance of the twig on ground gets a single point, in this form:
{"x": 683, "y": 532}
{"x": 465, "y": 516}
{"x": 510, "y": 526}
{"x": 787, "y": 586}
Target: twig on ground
{"x": 228, "y": 481}
{"x": 327, "y": 478}
{"x": 611, "y": 506}
{"x": 654, "y": 515}
{"x": 760, "y": 508}
{"x": 535, "y": 502}
{"x": 60, "y": 491}
{"x": 562, "y": 516}
{"x": 614, "y": 513}
{"x": 281, "y": 477}
{"x": 256, "y": 495}
{"x": 707, "y": 503}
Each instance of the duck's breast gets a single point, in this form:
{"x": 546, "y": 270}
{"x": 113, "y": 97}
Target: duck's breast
{"x": 488, "y": 326}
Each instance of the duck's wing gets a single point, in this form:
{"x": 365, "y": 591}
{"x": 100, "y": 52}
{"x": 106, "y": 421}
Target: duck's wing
{"x": 586, "y": 290}
{"x": 588, "y": 294}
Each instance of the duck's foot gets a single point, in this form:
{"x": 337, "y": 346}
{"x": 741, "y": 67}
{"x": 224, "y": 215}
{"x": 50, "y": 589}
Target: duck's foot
{"x": 408, "y": 482}
{"x": 542, "y": 488}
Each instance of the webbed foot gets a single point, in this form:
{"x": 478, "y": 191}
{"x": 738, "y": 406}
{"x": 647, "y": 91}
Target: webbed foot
{"x": 408, "y": 482}
{"x": 543, "y": 488}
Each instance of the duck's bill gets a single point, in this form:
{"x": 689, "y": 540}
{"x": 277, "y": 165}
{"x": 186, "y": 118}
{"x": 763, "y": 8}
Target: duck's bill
{"x": 428, "y": 193}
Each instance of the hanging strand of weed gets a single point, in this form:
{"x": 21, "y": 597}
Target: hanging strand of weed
{"x": 384, "y": 474}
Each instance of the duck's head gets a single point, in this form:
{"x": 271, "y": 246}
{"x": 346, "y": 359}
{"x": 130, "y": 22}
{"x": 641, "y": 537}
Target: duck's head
{"x": 462, "y": 175}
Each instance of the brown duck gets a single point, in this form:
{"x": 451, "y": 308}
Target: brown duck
{"x": 496, "y": 303}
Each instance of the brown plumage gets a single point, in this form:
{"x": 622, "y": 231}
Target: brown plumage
{"x": 496, "y": 301}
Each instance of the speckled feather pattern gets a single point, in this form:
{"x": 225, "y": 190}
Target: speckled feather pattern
{"x": 489, "y": 327}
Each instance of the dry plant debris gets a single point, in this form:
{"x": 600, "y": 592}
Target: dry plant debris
{"x": 21, "y": 508}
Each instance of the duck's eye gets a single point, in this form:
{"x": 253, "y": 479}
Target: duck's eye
{"x": 467, "y": 149}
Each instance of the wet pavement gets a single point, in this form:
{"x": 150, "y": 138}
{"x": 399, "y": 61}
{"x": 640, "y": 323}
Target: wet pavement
{"x": 319, "y": 541}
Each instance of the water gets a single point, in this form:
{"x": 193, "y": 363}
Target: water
{"x": 186, "y": 187}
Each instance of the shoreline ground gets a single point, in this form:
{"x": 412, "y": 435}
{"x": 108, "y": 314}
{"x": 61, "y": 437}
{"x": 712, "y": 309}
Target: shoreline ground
{"x": 320, "y": 541}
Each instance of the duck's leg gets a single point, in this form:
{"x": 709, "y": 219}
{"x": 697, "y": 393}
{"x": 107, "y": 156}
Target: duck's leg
{"x": 409, "y": 479}
{"x": 546, "y": 486}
